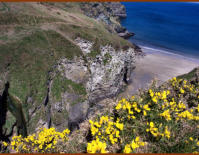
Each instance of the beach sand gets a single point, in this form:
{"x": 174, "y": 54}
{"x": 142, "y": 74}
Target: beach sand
{"x": 160, "y": 65}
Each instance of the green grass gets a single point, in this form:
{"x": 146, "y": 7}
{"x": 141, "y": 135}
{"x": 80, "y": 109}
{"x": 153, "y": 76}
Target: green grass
{"x": 93, "y": 53}
{"x": 61, "y": 84}
{"x": 97, "y": 34}
{"x": 188, "y": 76}
{"x": 69, "y": 6}
{"x": 107, "y": 58}
{"x": 4, "y": 7}
{"x": 4, "y": 38}
{"x": 11, "y": 18}
{"x": 60, "y": 117}
{"x": 15, "y": 107}
{"x": 9, "y": 122}
{"x": 31, "y": 58}
{"x": 95, "y": 49}
{"x": 38, "y": 115}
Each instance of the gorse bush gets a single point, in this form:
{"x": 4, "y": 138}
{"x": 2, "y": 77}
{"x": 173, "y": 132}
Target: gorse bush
{"x": 104, "y": 131}
{"x": 161, "y": 120}
{"x": 45, "y": 141}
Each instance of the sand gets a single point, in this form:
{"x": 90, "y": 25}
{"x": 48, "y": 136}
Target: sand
{"x": 160, "y": 65}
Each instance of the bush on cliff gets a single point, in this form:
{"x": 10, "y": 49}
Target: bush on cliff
{"x": 163, "y": 119}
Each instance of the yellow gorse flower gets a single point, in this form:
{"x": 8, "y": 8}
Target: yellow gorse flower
{"x": 166, "y": 115}
{"x": 5, "y": 144}
{"x": 127, "y": 148}
{"x": 96, "y": 146}
{"x": 136, "y": 143}
{"x": 44, "y": 140}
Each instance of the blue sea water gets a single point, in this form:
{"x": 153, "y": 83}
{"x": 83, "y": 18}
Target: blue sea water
{"x": 170, "y": 25}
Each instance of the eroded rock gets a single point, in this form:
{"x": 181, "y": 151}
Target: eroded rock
{"x": 103, "y": 76}
{"x": 110, "y": 13}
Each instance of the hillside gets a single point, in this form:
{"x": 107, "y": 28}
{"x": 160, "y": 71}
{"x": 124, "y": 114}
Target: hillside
{"x": 163, "y": 119}
{"x": 62, "y": 64}
{"x": 55, "y": 64}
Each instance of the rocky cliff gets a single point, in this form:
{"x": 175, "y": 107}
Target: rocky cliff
{"x": 110, "y": 13}
{"x": 58, "y": 64}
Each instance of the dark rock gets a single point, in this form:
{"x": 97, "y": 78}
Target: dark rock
{"x": 120, "y": 29}
{"x": 77, "y": 114}
{"x": 105, "y": 12}
{"x": 117, "y": 9}
{"x": 126, "y": 34}
{"x": 3, "y": 111}
{"x": 104, "y": 18}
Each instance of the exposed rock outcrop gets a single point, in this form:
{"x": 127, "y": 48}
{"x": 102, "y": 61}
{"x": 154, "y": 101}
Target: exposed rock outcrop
{"x": 60, "y": 65}
{"x": 126, "y": 34}
{"x": 76, "y": 85}
{"x": 110, "y": 13}
{"x": 103, "y": 76}
{"x": 109, "y": 72}
{"x": 11, "y": 115}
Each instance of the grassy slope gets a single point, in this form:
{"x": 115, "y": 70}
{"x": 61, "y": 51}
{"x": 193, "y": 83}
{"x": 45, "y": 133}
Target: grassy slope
{"x": 34, "y": 36}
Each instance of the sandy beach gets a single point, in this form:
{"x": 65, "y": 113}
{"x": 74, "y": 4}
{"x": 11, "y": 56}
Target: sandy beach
{"x": 160, "y": 65}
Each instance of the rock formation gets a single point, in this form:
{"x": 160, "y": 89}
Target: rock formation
{"x": 110, "y": 13}
{"x": 61, "y": 63}
{"x": 104, "y": 76}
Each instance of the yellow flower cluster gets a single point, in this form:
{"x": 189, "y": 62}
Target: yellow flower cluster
{"x": 184, "y": 87}
{"x": 104, "y": 130}
{"x": 132, "y": 108}
{"x": 5, "y": 144}
{"x": 45, "y": 141}
{"x": 193, "y": 141}
{"x": 163, "y": 108}
{"x": 158, "y": 95}
{"x": 158, "y": 116}
{"x": 186, "y": 114}
{"x": 134, "y": 145}
{"x": 155, "y": 132}
{"x": 174, "y": 107}
{"x": 166, "y": 115}
{"x": 96, "y": 146}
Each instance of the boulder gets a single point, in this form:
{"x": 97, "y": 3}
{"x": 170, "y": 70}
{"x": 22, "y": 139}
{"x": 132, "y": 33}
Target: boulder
{"x": 126, "y": 34}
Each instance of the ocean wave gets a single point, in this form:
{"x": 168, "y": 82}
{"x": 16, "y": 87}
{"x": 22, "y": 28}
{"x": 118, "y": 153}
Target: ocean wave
{"x": 147, "y": 49}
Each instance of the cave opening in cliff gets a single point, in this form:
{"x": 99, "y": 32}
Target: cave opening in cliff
{"x": 3, "y": 112}
{"x": 125, "y": 75}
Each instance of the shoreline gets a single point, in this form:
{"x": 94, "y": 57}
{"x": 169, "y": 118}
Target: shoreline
{"x": 164, "y": 49}
{"x": 157, "y": 64}
{"x": 169, "y": 52}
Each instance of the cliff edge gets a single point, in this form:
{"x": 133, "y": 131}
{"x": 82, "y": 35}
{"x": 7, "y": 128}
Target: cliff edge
{"x": 58, "y": 63}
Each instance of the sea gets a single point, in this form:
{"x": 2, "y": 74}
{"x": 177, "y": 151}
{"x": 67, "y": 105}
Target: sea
{"x": 168, "y": 26}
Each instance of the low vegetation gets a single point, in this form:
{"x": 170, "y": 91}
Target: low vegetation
{"x": 157, "y": 121}
{"x": 160, "y": 120}
{"x": 47, "y": 140}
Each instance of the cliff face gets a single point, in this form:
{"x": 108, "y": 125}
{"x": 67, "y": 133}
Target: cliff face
{"x": 58, "y": 65}
{"x": 108, "y": 9}
{"x": 98, "y": 78}
{"x": 110, "y": 13}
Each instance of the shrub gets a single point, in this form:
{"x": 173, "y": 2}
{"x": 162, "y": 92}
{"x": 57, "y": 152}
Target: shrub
{"x": 45, "y": 141}
{"x": 163, "y": 120}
